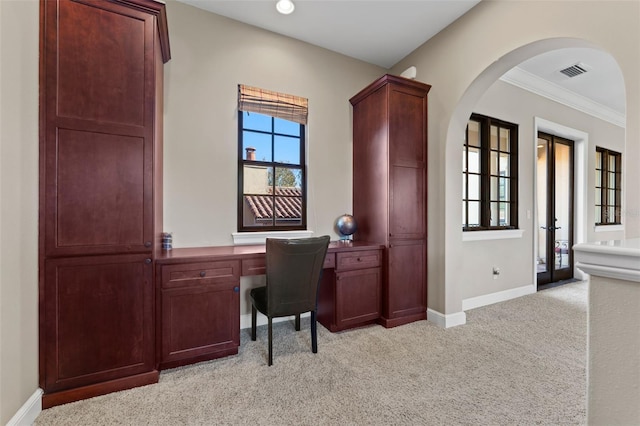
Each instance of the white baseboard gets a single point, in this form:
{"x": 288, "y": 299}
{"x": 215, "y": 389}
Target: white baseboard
{"x": 448, "y": 320}
{"x": 245, "y": 320}
{"x": 500, "y": 296}
{"x": 29, "y": 411}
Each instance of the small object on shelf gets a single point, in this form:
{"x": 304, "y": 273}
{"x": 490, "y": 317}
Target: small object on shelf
{"x": 346, "y": 226}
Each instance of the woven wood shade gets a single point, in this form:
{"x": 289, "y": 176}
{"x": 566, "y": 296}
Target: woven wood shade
{"x": 281, "y": 105}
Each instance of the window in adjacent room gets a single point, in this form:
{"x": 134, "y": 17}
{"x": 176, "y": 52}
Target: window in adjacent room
{"x": 608, "y": 187}
{"x": 490, "y": 175}
{"x": 271, "y": 160}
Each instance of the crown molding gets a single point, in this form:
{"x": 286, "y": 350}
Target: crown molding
{"x": 534, "y": 84}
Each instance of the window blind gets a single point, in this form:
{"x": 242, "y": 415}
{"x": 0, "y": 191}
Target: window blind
{"x": 275, "y": 104}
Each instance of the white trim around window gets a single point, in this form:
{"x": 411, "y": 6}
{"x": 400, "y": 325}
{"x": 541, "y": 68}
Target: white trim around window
{"x": 246, "y": 238}
{"x": 502, "y": 234}
{"x": 608, "y": 228}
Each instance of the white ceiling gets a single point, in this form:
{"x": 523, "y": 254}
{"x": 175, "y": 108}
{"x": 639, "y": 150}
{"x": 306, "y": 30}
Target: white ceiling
{"x": 382, "y": 32}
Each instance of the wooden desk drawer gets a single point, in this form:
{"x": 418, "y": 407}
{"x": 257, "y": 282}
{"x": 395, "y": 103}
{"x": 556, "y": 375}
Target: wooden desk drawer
{"x": 258, "y": 265}
{"x": 254, "y": 266}
{"x": 358, "y": 260}
{"x": 184, "y": 274}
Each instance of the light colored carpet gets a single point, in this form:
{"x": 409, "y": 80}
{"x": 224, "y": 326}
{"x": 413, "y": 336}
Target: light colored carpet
{"x": 517, "y": 362}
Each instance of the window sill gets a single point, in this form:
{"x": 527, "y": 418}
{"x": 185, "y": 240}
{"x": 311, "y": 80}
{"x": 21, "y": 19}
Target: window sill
{"x": 503, "y": 234}
{"x": 244, "y": 238}
{"x": 608, "y": 228}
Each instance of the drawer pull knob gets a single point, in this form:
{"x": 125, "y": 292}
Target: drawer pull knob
{"x": 147, "y": 261}
{"x": 236, "y": 289}
{"x": 147, "y": 244}
{"x": 203, "y": 273}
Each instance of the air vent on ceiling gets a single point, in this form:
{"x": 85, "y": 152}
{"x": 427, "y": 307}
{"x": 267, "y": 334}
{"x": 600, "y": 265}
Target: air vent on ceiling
{"x": 575, "y": 70}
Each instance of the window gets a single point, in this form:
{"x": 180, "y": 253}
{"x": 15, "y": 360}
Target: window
{"x": 490, "y": 175}
{"x": 271, "y": 161}
{"x": 608, "y": 187}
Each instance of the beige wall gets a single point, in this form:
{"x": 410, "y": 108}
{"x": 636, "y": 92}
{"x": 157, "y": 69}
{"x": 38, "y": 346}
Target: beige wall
{"x": 18, "y": 204}
{"x": 211, "y": 55}
{"x": 464, "y": 60}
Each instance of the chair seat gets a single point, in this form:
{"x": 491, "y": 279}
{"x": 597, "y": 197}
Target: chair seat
{"x": 259, "y": 298}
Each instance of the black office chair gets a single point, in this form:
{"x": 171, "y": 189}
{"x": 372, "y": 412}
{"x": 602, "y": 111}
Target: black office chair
{"x": 293, "y": 274}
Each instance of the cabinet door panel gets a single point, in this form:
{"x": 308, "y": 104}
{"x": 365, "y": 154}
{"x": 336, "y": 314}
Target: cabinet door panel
{"x": 407, "y": 279}
{"x": 98, "y": 203}
{"x": 357, "y": 296}
{"x": 200, "y": 320}
{"x": 407, "y": 126}
{"x": 101, "y": 78}
{"x": 98, "y": 319}
{"x": 407, "y": 210}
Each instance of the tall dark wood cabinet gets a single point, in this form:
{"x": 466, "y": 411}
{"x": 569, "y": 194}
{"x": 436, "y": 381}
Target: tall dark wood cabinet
{"x": 101, "y": 78}
{"x": 390, "y": 189}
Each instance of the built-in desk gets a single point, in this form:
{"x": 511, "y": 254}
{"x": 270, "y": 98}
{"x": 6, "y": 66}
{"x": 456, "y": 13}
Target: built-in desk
{"x": 198, "y": 296}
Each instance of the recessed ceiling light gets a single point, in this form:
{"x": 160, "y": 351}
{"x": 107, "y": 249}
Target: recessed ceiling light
{"x": 285, "y": 6}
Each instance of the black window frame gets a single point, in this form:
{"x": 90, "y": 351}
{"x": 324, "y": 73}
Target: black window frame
{"x": 242, "y": 161}
{"x": 485, "y": 200}
{"x": 603, "y": 188}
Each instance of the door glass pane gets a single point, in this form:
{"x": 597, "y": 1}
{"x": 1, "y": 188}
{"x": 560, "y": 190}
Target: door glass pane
{"x": 562, "y": 205}
{"x": 541, "y": 188}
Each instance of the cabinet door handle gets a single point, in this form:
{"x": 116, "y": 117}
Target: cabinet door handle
{"x": 236, "y": 289}
{"x": 147, "y": 261}
{"x": 359, "y": 260}
{"x": 203, "y": 273}
{"x": 147, "y": 244}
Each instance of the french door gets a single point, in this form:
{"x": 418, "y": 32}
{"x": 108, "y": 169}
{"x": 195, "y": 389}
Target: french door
{"x": 555, "y": 208}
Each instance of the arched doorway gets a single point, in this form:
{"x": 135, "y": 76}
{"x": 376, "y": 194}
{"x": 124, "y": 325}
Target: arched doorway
{"x": 472, "y": 96}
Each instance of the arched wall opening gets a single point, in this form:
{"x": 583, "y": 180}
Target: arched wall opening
{"x": 454, "y": 294}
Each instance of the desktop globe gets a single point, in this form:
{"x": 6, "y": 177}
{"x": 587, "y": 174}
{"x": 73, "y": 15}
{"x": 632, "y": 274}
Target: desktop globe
{"x": 346, "y": 226}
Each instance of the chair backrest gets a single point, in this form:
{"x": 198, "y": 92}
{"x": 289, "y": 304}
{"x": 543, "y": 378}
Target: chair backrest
{"x": 293, "y": 274}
